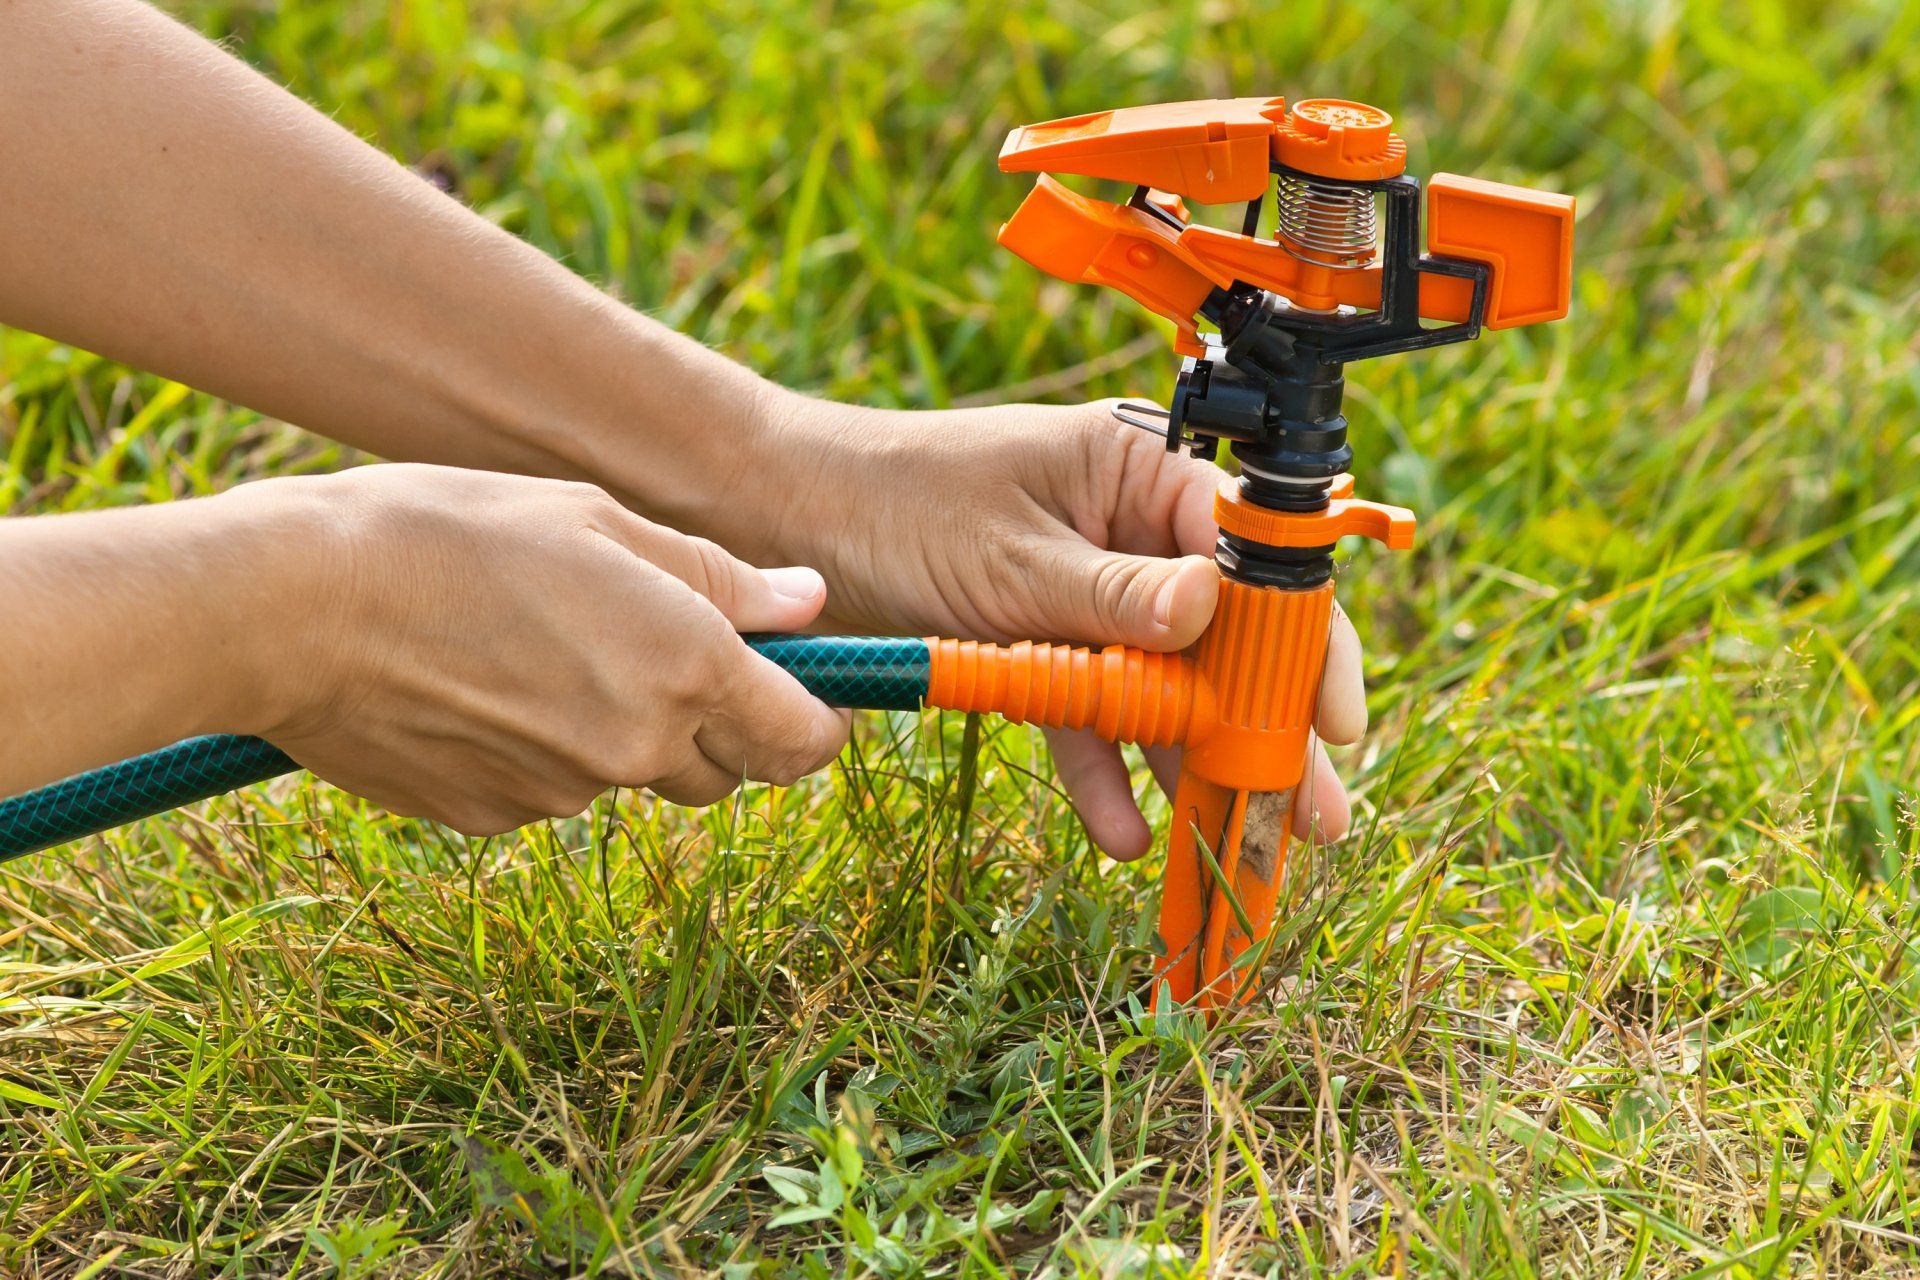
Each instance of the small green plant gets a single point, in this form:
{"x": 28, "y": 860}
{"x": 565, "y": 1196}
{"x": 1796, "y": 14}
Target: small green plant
{"x": 357, "y": 1246}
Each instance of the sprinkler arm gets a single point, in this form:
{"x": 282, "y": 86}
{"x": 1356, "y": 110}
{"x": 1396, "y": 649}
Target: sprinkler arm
{"x": 1154, "y": 255}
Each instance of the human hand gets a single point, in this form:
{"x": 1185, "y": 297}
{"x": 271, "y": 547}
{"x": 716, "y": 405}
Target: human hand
{"x": 489, "y": 650}
{"x": 1036, "y": 522}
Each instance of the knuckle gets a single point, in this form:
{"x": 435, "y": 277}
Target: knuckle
{"x": 634, "y": 764}
{"x": 789, "y": 767}
{"x": 1024, "y": 557}
{"x": 711, "y": 661}
{"x": 785, "y": 774}
{"x": 1095, "y": 420}
{"x": 698, "y": 793}
{"x": 714, "y": 574}
{"x": 1121, "y": 585}
{"x": 480, "y": 821}
{"x": 714, "y": 792}
{"x": 814, "y": 744}
{"x": 582, "y": 492}
{"x": 565, "y": 801}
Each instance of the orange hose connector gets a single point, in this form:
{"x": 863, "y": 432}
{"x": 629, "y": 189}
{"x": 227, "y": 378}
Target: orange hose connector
{"x": 1122, "y": 694}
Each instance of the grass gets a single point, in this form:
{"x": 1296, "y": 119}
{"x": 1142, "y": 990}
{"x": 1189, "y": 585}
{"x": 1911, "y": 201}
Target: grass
{"x": 1620, "y": 974}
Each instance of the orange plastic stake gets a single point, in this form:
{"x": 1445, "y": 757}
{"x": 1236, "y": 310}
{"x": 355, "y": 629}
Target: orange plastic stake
{"x": 1202, "y": 818}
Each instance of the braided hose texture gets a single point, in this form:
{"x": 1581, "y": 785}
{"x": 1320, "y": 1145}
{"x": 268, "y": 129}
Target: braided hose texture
{"x": 878, "y": 673}
{"x": 873, "y": 673}
{"x": 118, "y": 793}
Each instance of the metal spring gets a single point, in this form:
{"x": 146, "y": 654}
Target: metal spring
{"x": 1330, "y": 224}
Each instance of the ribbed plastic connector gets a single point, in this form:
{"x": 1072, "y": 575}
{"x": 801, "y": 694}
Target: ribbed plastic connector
{"x": 1261, "y": 659}
{"x": 1123, "y": 695}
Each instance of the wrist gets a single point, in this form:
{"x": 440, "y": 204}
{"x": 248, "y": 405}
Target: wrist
{"x": 269, "y": 635}
{"x": 676, "y": 431}
{"x": 819, "y": 470}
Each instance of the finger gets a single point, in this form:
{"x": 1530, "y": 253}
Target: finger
{"x": 1096, "y": 780}
{"x": 1164, "y": 501}
{"x": 482, "y": 821}
{"x": 1165, "y": 763}
{"x": 783, "y": 599}
{"x": 470, "y": 797}
{"x": 1105, "y": 597}
{"x": 1194, "y": 530}
{"x": 1320, "y": 804}
{"x": 1342, "y": 717}
{"x": 468, "y": 815}
{"x": 765, "y": 726}
{"x": 696, "y": 781}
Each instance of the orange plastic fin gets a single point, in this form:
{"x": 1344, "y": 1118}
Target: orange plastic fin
{"x": 1213, "y": 151}
{"x": 1268, "y": 265}
{"x": 1525, "y": 236}
{"x": 1201, "y": 812}
{"x": 1091, "y": 241}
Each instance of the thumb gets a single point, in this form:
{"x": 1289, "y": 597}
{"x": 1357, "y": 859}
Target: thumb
{"x": 784, "y": 599}
{"x": 753, "y": 599}
{"x": 1104, "y": 597}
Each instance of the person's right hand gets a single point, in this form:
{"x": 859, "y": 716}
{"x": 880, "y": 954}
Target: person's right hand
{"x": 493, "y": 649}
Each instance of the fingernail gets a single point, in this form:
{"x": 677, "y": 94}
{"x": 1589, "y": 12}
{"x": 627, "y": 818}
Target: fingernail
{"x": 795, "y": 582}
{"x": 1163, "y": 599}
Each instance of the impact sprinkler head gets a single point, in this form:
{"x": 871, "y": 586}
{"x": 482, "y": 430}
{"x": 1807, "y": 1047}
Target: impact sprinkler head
{"x": 1344, "y": 278}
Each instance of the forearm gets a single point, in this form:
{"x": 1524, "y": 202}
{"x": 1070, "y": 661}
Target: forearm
{"x": 126, "y": 630}
{"x": 166, "y": 206}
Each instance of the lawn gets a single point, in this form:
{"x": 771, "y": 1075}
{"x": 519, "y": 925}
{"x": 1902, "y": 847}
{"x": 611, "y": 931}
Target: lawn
{"x": 1618, "y": 975}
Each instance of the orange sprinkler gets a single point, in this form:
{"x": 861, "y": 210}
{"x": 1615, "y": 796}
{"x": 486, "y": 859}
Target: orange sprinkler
{"x": 1338, "y": 282}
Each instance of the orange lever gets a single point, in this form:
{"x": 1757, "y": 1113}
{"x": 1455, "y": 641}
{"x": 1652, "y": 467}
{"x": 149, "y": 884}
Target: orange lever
{"x": 1215, "y": 152}
{"x": 1524, "y": 237}
{"x": 1222, "y": 151}
{"x": 1089, "y": 241}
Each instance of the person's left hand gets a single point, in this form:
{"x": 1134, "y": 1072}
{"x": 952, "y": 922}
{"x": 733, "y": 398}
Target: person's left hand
{"x": 1033, "y": 522}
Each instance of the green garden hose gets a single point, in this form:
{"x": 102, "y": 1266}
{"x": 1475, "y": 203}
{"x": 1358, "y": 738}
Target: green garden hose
{"x": 874, "y": 673}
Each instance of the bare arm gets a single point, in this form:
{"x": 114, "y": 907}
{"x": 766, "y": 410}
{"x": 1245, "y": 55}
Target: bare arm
{"x": 166, "y": 206}
{"x": 484, "y": 649}
{"x": 124, "y": 630}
